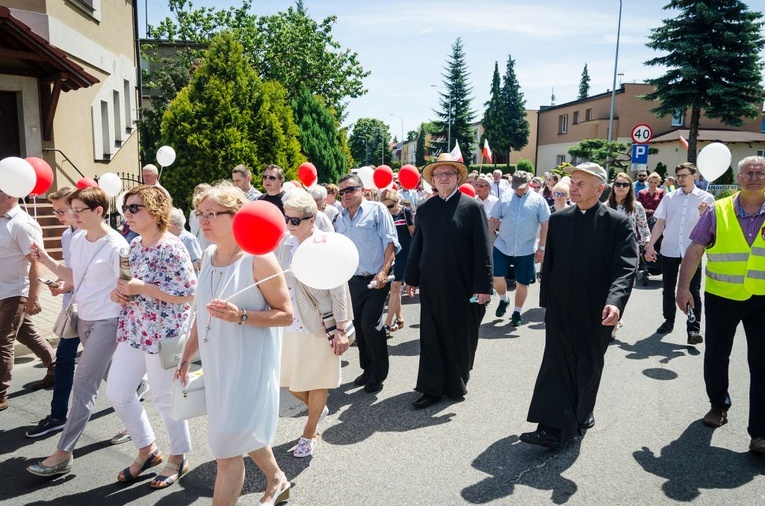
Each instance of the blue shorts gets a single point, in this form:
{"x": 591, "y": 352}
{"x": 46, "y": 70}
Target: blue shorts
{"x": 523, "y": 265}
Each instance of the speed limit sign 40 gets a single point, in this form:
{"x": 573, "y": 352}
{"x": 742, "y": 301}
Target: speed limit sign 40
{"x": 641, "y": 134}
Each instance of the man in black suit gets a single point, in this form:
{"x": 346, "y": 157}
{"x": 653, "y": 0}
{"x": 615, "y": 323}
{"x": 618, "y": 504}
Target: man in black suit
{"x": 588, "y": 272}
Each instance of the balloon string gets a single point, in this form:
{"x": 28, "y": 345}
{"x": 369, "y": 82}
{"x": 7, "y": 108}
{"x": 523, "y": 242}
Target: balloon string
{"x": 26, "y": 209}
{"x": 255, "y": 284}
{"x": 34, "y": 203}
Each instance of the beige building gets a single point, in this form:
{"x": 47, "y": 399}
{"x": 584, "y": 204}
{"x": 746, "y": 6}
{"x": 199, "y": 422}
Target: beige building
{"x": 68, "y": 85}
{"x": 565, "y": 125}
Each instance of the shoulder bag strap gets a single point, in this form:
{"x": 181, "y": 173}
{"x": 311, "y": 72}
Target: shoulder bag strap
{"x": 77, "y": 287}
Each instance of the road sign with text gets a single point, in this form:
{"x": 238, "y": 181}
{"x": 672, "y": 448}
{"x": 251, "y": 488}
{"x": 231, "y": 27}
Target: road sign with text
{"x": 641, "y": 133}
{"x": 640, "y": 154}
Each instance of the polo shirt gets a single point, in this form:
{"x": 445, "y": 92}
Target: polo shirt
{"x": 17, "y": 233}
{"x": 519, "y": 222}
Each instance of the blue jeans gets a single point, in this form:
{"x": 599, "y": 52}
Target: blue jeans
{"x": 64, "y": 377}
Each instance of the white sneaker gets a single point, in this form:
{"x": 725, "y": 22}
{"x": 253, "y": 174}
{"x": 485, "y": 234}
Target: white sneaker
{"x": 305, "y": 447}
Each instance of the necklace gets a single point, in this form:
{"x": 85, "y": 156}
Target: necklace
{"x": 216, "y": 277}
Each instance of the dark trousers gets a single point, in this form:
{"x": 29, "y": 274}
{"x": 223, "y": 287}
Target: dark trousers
{"x": 723, "y": 316}
{"x": 670, "y": 267}
{"x": 64, "y": 378}
{"x": 368, "y": 306}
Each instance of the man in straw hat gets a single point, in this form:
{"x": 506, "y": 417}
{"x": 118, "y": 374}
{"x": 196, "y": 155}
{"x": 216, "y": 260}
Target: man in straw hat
{"x": 450, "y": 261}
{"x": 587, "y": 276}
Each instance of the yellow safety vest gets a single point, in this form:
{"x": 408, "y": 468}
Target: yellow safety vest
{"x": 734, "y": 270}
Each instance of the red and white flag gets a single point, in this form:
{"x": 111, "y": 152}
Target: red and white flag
{"x": 486, "y": 150}
{"x": 685, "y": 142}
{"x": 456, "y": 153}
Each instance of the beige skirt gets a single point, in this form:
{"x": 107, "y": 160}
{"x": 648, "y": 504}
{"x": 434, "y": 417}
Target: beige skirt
{"x": 308, "y": 363}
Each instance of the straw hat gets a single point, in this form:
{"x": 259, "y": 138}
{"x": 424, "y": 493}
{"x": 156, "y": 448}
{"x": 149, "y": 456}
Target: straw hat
{"x": 442, "y": 160}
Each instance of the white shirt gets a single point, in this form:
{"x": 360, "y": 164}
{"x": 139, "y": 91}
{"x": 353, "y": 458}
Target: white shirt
{"x": 17, "y": 233}
{"x": 499, "y": 187}
{"x": 680, "y": 211}
{"x": 488, "y": 204}
{"x": 323, "y": 222}
{"x": 66, "y": 253}
{"x": 331, "y": 212}
{"x": 96, "y": 280}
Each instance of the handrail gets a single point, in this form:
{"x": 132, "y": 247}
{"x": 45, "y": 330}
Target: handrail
{"x": 65, "y": 158}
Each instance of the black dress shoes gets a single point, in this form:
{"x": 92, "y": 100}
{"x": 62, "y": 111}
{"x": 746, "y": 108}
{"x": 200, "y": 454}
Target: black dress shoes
{"x": 425, "y": 400}
{"x": 541, "y": 437}
{"x": 361, "y": 380}
{"x": 373, "y": 387}
{"x": 588, "y": 422}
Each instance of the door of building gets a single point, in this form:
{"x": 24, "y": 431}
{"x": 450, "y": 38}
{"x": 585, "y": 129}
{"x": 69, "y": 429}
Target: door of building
{"x": 10, "y": 144}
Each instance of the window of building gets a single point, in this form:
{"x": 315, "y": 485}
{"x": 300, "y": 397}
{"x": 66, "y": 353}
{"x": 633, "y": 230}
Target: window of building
{"x": 90, "y": 7}
{"x": 128, "y": 112}
{"x": 576, "y": 117}
{"x": 116, "y": 103}
{"x": 588, "y": 115}
{"x": 105, "y": 137}
{"x": 563, "y": 124}
{"x": 762, "y": 126}
{"x": 678, "y": 117}
{"x": 559, "y": 159}
{"x": 761, "y": 152}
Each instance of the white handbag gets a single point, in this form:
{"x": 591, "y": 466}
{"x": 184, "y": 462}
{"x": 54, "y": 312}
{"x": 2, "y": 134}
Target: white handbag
{"x": 189, "y": 401}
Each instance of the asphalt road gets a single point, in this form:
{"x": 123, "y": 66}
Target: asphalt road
{"x": 648, "y": 445}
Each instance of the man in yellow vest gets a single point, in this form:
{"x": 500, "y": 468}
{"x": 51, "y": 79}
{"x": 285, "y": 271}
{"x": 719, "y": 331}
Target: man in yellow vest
{"x": 733, "y": 234}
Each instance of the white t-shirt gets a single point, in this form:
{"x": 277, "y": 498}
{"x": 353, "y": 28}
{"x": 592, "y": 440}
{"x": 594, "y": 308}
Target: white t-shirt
{"x": 331, "y": 212}
{"x": 488, "y": 204}
{"x": 100, "y": 275}
{"x": 17, "y": 233}
{"x": 66, "y": 253}
{"x": 323, "y": 222}
{"x": 680, "y": 211}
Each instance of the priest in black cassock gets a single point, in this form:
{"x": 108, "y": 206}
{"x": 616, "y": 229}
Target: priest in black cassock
{"x": 587, "y": 276}
{"x": 450, "y": 261}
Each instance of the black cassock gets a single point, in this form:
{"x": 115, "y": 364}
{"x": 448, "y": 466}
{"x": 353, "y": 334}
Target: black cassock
{"x": 590, "y": 261}
{"x": 450, "y": 260}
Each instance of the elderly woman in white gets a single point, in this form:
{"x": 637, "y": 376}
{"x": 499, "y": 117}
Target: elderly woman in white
{"x": 310, "y": 363}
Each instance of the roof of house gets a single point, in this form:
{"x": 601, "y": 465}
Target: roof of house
{"x": 725, "y": 136}
{"x": 24, "y": 52}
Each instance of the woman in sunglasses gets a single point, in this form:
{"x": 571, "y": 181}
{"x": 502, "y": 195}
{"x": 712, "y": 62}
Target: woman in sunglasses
{"x": 156, "y": 305}
{"x": 404, "y": 221}
{"x": 622, "y": 198}
{"x": 310, "y": 363}
{"x": 93, "y": 271}
{"x": 560, "y": 197}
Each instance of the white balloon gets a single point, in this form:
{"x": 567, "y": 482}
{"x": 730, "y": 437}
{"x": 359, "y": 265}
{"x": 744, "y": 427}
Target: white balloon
{"x": 713, "y": 161}
{"x": 17, "y": 176}
{"x": 325, "y": 261}
{"x": 426, "y": 186}
{"x": 165, "y": 156}
{"x": 367, "y": 177}
{"x": 120, "y": 202}
{"x": 110, "y": 183}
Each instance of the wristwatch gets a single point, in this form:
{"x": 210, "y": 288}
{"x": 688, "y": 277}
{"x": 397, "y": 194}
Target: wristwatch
{"x": 243, "y": 318}
{"x": 541, "y": 248}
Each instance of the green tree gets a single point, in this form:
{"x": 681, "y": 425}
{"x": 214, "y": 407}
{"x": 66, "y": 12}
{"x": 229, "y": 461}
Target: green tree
{"x": 525, "y": 165}
{"x": 226, "y": 116}
{"x": 369, "y": 139}
{"x": 584, "y": 84}
{"x": 455, "y": 117}
{"x": 515, "y": 134}
{"x": 493, "y": 116}
{"x": 318, "y": 136}
{"x": 419, "y": 152}
{"x": 597, "y": 150}
{"x": 712, "y": 56}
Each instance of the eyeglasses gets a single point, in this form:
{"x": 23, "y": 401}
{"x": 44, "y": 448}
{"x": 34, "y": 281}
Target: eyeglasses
{"x": 60, "y": 213}
{"x": 621, "y": 184}
{"x": 295, "y": 221}
{"x": 210, "y": 216}
{"x": 559, "y": 195}
{"x": 752, "y": 175}
{"x": 678, "y": 176}
{"x": 442, "y": 175}
{"x": 270, "y": 178}
{"x": 78, "y": 212}
{"x": 390, "y": 206}
{"x": 133, "y": 208}
{"x": 348, "y": 190}
{"x": 537, "y": 186}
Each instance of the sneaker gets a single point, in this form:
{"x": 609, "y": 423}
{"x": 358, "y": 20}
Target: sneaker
{"x": 122, "y": 437}
{"x": 502, "y": 308}
{"x": 46, "y": 426}
{"x": 515, "y": 319}
{"x": 142, "y": 390}
{"x": 305, "y": 447}
{"x": 695, "y": 338}
{"x": 665, "y": 327}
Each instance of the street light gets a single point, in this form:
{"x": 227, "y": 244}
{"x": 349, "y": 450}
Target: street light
{"x": 613, "y": 91}
{"x": 449, "y": 129}
{"x": 401, "y": 154}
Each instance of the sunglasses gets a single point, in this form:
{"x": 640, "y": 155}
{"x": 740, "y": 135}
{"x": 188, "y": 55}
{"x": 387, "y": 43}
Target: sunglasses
{"x": 484, "y": 185}
{"x": 621, "y": 185}
{"x": 295, "y": 221}
{"x": 390, "y": 206}
{"x": 270, "y": 178}
{"x": 559, "y": 195}
{"x": 133, "y": 208}
{"x": 348, "y": 190}
{"x": 211, "y": 215}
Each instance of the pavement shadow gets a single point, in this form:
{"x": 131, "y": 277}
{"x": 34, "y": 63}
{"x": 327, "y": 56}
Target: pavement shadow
{"x": 12, "y": 440}
{"x": 409, "y": 348}
{"x": 511, "y": 463}
{"x": 690, "y": 464}
{"x": 655, "y": 346}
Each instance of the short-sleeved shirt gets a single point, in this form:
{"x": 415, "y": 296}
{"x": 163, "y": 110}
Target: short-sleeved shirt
{"x": 371, "y": 230}
{"x": 274, "y": 199}
{"x": 519, "y": 222}
{"x": 680, "y": 211}
{"x": 95, "y": 270}
{"x": 18, "y": 231}
{"x": 751, "y": 225}
{"x": 650, "y": 202}
{"x": 192, "y": 246}
{"x": 252, "y": 194}
{"x": 146, "y": 320}
{"x": 488, "y": 204}
{"x": 66, "y": 253}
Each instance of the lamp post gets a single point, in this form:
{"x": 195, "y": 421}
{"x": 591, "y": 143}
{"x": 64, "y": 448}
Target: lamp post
{"x": 401, "y": 154}
{"x": 613, "y": 90}
{"x": 449, "y": 124}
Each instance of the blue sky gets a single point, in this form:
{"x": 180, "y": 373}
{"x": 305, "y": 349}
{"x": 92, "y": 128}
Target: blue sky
{"x": 405, "y": 44}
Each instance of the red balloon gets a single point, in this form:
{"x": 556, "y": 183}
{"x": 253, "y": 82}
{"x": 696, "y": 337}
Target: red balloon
{"x": 466, "y": 189}
{"x": 394, "y": 187}
{"x": 307, "y": 173}
{"x": 258, "y": 227}
{"x": 44, "y": 175}
{"x": 409, "y": 176}
{"x": 382, "y": 176}
{"x": 86, "y": 182}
